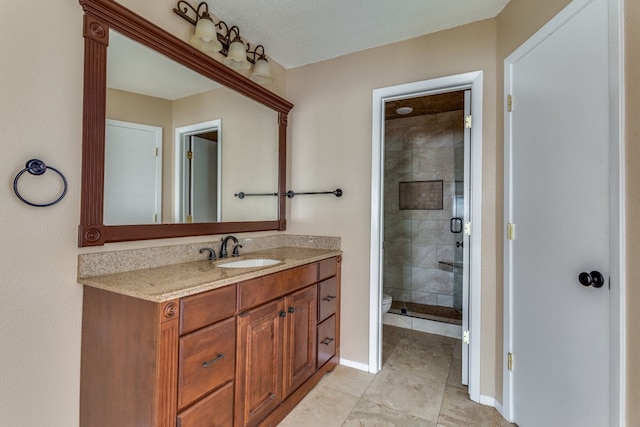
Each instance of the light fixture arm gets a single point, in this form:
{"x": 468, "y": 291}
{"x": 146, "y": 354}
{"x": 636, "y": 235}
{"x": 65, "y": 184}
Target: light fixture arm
{"x": 226, "y": 38}
{"x": 254, "y": 55}
{"x": 182, "y": 9}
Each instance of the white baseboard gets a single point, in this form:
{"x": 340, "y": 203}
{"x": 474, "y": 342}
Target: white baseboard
{"x": 355, "y": 365}
{"x": 491, "y": 401}
{"x": 487, "y": 401}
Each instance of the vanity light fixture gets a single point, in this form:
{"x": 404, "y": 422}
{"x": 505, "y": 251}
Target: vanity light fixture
{"x": 236, "y": 55}
{"x": 228, "y": 42}
{"x": 261, "y": 70}
{"x": 205, "y": 37}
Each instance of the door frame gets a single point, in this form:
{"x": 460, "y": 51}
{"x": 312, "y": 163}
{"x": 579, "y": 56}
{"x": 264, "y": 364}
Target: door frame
{"x": 617, "y": 335}
{"x": 471, "y": 80}
{"x": 181, "y": 133}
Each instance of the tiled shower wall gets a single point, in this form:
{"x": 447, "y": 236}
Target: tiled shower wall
{"x": 421, "y": 149}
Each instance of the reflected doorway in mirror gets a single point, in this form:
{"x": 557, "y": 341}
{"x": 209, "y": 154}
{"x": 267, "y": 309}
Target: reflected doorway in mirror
{"x": 198, "y": 172}
{"x": 133, "y": 173}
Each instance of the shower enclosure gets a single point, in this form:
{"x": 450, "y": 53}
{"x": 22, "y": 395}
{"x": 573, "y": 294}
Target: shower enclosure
{"x": 424, "y": 208}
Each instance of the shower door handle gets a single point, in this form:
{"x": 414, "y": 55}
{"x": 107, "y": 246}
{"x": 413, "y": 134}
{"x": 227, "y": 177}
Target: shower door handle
{"x": 455, "y": 225}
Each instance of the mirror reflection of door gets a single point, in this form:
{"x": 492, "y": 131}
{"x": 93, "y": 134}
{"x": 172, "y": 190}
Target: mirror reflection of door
{"x": 199, "y": 173}
{"x": 202, "y": 179}
{"x": 133, "y": 173}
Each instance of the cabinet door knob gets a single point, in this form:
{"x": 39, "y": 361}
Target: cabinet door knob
{"x": 283, "y": 313}
{"x": 291, "y": 309}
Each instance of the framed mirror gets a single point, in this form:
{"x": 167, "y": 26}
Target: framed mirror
{"x": 214, "y": 136}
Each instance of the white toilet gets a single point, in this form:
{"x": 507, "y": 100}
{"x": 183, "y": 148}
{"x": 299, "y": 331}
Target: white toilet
{"x": 386, "y": 303}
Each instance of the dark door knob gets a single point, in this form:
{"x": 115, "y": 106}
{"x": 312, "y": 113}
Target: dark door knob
{"x": 595, "y": 279}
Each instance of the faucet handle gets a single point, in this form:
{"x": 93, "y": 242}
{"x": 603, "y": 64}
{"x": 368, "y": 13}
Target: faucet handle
{"x": 236, "y": 250}
{"x": 212, "y": 253}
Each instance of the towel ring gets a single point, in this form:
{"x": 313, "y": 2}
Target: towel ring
{"x": 38, "y": 167}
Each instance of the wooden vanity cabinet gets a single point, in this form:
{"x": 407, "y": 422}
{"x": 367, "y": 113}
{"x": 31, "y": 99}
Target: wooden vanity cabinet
{"x": 240, "y": 355}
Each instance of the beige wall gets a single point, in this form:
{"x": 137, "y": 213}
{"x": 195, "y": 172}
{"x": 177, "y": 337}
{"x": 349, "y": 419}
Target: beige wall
{"x": 40, "y": 116}
{"x": 331, "y": 148}
{"x": 632, "y": 82}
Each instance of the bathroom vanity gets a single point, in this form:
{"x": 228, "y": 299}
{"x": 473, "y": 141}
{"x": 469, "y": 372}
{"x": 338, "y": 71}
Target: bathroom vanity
{"x": 195, "y": 344}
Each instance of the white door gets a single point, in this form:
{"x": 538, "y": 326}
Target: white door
{"x": 204, "y": 180}
{"x": 557, "y": 173}
{"x": 132, "y": 173}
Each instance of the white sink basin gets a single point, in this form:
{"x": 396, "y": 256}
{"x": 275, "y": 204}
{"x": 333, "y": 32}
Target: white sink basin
{"x": 250, "y": 263}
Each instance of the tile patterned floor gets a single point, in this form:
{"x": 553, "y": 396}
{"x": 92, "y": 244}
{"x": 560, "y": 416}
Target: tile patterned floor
{"x": 419, "y": 385}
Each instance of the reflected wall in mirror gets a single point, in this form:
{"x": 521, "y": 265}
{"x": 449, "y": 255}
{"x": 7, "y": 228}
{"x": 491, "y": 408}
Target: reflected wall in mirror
{"x": 215, "y": 133}
{"x": 200, "y": 176}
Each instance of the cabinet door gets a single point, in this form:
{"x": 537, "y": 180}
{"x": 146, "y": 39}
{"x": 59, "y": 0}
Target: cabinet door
{"x": 259, "y": 362}
{"x": 300, "y": 338}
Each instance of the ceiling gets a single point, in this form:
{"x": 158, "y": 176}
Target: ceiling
{"x": 300, "y": 32}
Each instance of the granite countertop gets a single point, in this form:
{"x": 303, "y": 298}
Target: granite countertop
{"x": 169, "y": 282}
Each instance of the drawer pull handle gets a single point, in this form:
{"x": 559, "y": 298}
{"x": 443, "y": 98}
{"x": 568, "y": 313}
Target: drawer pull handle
{"x": 212, "y": 361}
{"x": 328, "y": 298}
{"x": 326, "y": 341}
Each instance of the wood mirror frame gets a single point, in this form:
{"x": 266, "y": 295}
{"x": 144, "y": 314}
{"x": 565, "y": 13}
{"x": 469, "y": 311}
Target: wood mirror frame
{"x": 99, "y": 17}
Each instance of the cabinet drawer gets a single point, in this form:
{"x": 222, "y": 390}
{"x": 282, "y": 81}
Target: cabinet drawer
{"x": 200, "y": 310}
{"x": 258, "y": 291}
{"x": 215, "y": 410}
{"x": 328, "y": 268}
{"x": 326, "y": 340}
{"x": 328, "y": 298}
{"x": 206, "y": 360}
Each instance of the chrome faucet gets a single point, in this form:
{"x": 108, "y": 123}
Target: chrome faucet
{"x": 212, "y": 253}
{"x": 223, "y": 248}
